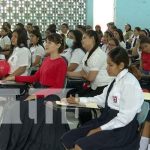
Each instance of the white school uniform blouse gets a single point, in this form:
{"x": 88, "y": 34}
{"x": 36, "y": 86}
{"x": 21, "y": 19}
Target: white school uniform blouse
{"x": 126, "y": 96}
{"x": 37, "y": 51}
{"x": 4, "y": 41}
{"x": 97, "y": 62}
{"x": 122, "y": 44}
{"x": 74, "y": 56}
{"x": 19, "y": 58}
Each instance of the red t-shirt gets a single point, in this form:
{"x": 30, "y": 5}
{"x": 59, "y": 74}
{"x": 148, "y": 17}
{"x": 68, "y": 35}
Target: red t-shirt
{"x": 52, "y": 73}
{"x": 145, "y": 61}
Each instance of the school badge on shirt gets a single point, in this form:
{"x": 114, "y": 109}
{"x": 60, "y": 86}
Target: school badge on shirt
{"x": 115, "y": 99}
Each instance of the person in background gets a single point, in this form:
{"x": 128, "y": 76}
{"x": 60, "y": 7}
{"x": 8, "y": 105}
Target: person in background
{"x": 36, "y": 48}
{"x": 104, "y": 41}
{"x": 117, "y": 126}
{"x": 81, "y": 28}
{"x": 111, "y": 27}
{"x": 118, "y": 34}
{"x": 99, "y": 32}
{"x": 8, "y": 26}
{"x": 64, "y": 29}
{"x": 145, "y": 55}
{"x": 112, "y": 43}
{"x": 29, "y": 29}
{"x": 75, "y": 53}
{"x": 20, "y": 59}
{"x": 128, "y": 32}
{"x": 88, "y": 27}
{"x": 5, "y": 42}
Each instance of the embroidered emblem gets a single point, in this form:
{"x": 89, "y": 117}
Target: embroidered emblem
{"x": 115, "y": 99}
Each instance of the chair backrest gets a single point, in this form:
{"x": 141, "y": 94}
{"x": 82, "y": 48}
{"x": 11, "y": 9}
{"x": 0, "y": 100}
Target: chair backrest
{"x": 144, "y": 112}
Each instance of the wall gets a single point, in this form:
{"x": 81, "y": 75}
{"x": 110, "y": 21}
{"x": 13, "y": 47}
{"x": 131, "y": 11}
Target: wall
{"x": 89, "y": 12}
{"x": 134, "y": 12}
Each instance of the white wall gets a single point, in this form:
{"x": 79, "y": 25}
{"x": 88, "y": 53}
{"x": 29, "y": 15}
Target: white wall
{"x": 103, "y": 12}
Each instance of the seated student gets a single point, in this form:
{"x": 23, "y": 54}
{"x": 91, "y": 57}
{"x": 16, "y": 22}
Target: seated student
{"x": 52, "y": 72}
{"x": 145, "y": 138}
{"x": 119, "y": 36}
{"x": 145, "y": 55}
{"x": 8, "y": 26}
{"x": 112, "y": 43}
{"x": 64, "y": 29}
{"x": 36, "y": 48}
{"x": 20, "y": 59}
{"x": 117, "y": 127}
{"x": 128, "y": 32}
{"x": 93, "y": 70}
{"x": 5, "y": 41}
{"x": 104, "y": 45}
{"x": 75, "y": 53}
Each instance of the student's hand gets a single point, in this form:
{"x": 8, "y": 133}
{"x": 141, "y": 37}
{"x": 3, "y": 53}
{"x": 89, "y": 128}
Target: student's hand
{"x": 94, "y": 131}
{"x": 9, "y": 78}
{"x": 31, "y": 97}
{"x": 73, "y": 100}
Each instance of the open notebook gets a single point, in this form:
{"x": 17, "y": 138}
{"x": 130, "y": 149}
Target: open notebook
{"x": 146, "y": 96}
{"x": 88, "y": 105}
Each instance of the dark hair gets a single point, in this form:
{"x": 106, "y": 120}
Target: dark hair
{"x": 37, "y": 34}
{"x": 119, "y": 55}
{"x": 144, "y": 40}
{"x": 109, "y": 34}
{"x": 94, "y": 34}
{"x": 29, "y": 24}
{"x": 21, "y": 26}
{"x": 130, "y": 28}
{"x": 5, "y": 29}
{"x": 148, "y": 32}
{"x": 36, "y": 28}
{"x": 115, "y": 40}
{"x": 7, "y": 24}
{"x": 111, "y": 24}
{"x": 78, "y": 38}
{"x": 57, "y": 39}
{"x": 22, "y": 37}
{"x": 138, "y": 29}
{"x": 66, "y": 25}
{"x": 52, "y": 28}
{"x": 83, "y": 28}
{"x": 120, "y": 34}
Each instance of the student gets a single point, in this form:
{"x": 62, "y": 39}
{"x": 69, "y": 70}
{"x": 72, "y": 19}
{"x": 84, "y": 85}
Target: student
{"x": 64, "y": 29}
{"x": 145, "y": 138}
{"x": 128, "y": 32}
{"x": 112, "y": 43}
{"x": 134, "y": 38}
{"x": 36, "y": 48}
{"x": 20, "y": 59}
{"x": 52, "y": 72}
{"x": 81, "y": 28}
{"x": 117, "y": 127}
{"x": 99, "y": 31}
{"x": 93, "y": 70}
{"x": 5, "y": 40}
{"x": 119, "y": 36}
{"x": 107, "y": 35}
{"x": 8, "y": 26}
{"x": 75, "y": 53}
{"x": 145, "y": 55}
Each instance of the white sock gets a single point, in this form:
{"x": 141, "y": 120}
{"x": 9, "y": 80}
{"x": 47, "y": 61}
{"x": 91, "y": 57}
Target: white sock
{"x": 144, "y": 143}
{"x": 148, "y": 146}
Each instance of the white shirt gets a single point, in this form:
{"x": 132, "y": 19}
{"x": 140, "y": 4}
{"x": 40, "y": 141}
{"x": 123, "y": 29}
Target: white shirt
{"x": 126, "y": 96}
{"x": 19, "y": 58}
{"x": 37, "y": 51}
{"x": 74, "y": 56}
{"x": 133, "y": 40}
{"x": 97, "y": 62}
{"x": 105, "y": 48}
{"x": 122, "y": 44}
{"x": 4, "y": 41}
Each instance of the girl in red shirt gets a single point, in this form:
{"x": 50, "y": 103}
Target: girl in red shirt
{"x": 52, "y": 71}
{"x": 145, "y": 56}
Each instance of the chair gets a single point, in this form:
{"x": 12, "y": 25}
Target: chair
{"x": 143, "y": 115}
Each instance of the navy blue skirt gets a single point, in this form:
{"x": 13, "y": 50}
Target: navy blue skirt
{"x": 125, "y": 138}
